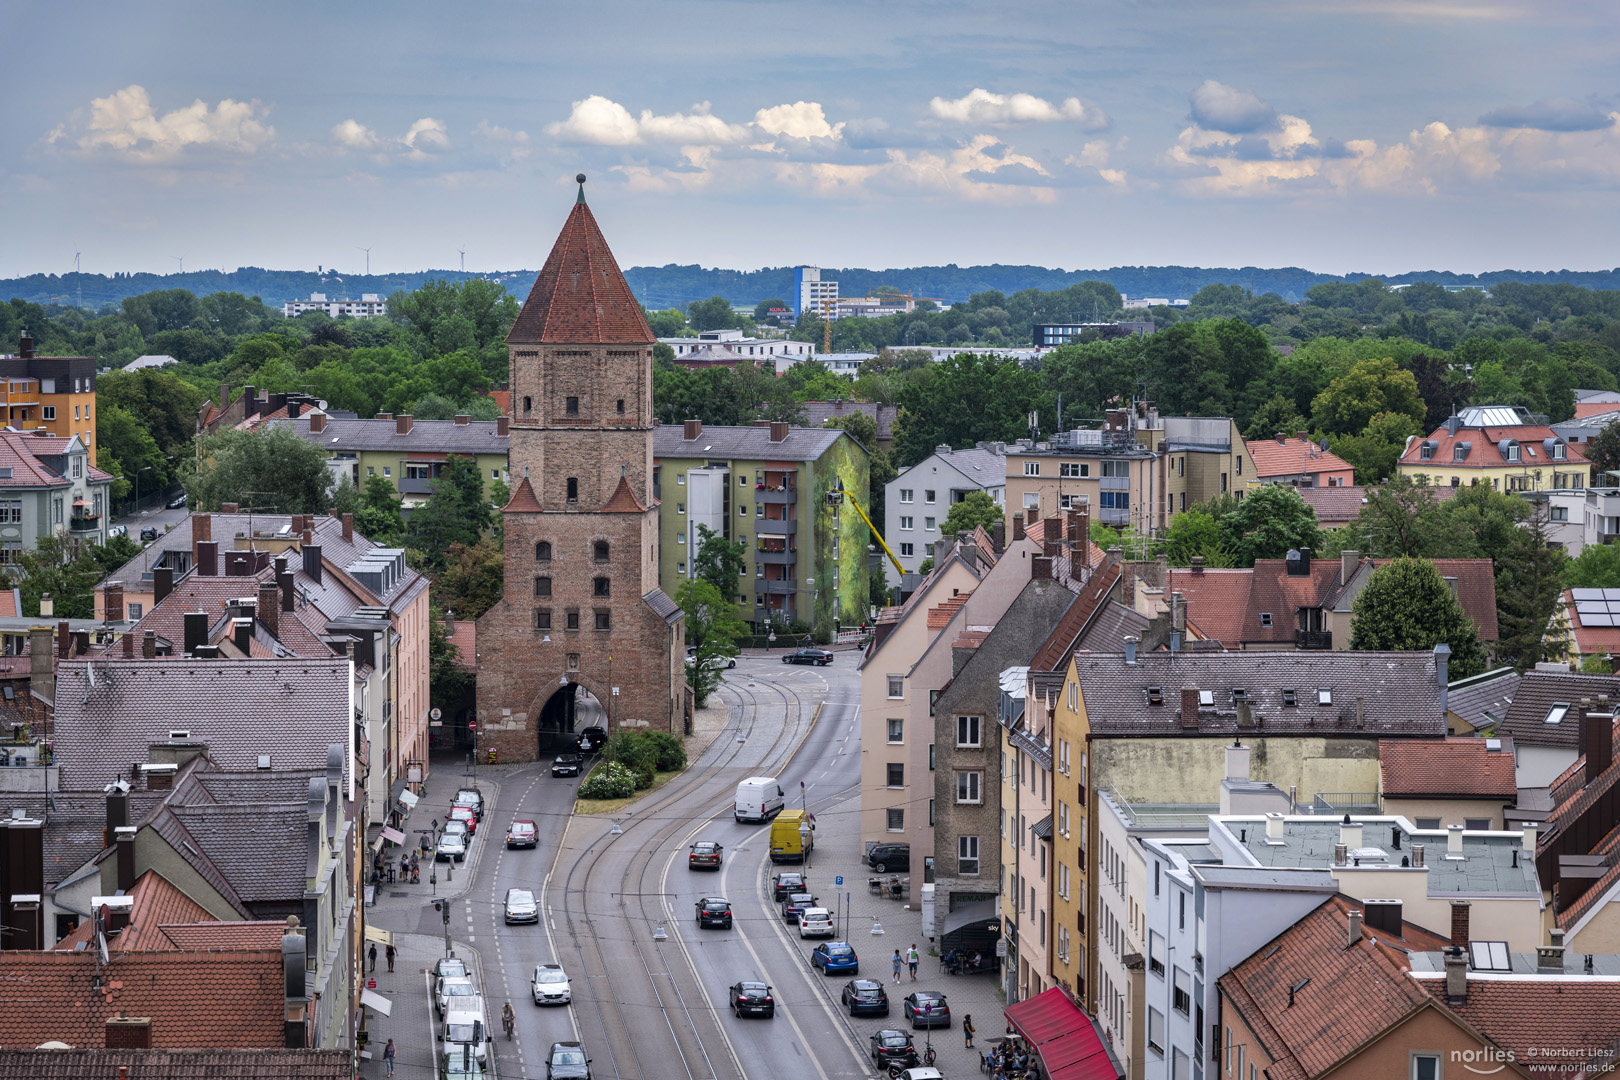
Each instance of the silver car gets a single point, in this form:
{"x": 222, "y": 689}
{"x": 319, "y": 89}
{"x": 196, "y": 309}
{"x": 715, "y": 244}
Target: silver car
{"x": 451, "y": 847}
{"x": 451, "y": 988}
{"x": 551, "y": 985}
{"x": 521, "y": 906}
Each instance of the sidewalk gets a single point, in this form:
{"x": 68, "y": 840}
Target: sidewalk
{"x": 413, "y": 1023}
{"x": 396, "y": 899}
{"x": 838, "y": 852}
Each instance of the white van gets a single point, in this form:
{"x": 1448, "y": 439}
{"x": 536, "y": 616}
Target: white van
{"x": 466, "y": 1025}
{"x": 759, "y": 798}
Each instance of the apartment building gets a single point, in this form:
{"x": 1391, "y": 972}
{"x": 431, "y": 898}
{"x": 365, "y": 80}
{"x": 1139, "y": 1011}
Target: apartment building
{"x": 409, "y": 453}
{"x": 734, "y": 347}
{"x": 369, "y": 306}
{"x": 1032, "y": 878}
{"x": 49, "y": 486}
{"x": 1497, "y": 445}
{"x": 916, "y": 503}
{"x": 813, "y": 295}
{"x": 56, "y": 393}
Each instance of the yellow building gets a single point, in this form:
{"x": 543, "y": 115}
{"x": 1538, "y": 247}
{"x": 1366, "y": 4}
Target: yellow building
{"x": 1498, "y": 446}
{"x": 57, "y": 393}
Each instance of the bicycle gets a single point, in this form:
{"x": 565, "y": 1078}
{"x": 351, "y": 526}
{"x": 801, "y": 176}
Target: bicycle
{"x": 507, "y": 1020}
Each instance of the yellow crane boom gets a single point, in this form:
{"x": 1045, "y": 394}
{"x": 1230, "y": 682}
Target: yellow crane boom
{"x": 837, "y": 496}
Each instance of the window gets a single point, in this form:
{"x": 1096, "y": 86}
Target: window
{"x": 1155, "y": 1031}
{"x": 1178, "y": 1065}
{"x": 601, "y": 586}
{"x": 1427, "y": 822}
{"x": 542, "y": 551}
{"x": 1425, "y": 1067}
{"x": 680, "y": 508}
{"x": 1181, "y": 904}
{"x": 906, "y": 523}
{"x": 1556, "y": 714}
{"x": 600, "y": 551}
{"x": 371, "y": 470}
{"x": 896, "y": 820}
{"x": 571, "y": 407}
{"x": 573, "y": 489}
{"x": 1206, "y": 699}
{"x": 967, "y": 855}
{"x": 897, "y": 686}
{"x": 968, "y": 732}
{"x": 418, "y": 472}
{"x": 1556, "y": 452}
{"x": 742, "y": 510}
{"x": 572, "y": 620}
{"x": 1181, "y": 999}
{"x": 1032, "y": 468}
{"x": 1512, "y": 453}
{"x": 907, "y": 550}
{"x": 11, "y": 512}
{"x": 897, "y": 774}
{"x": 906, "y": 495}
{"x": 48, "y": 412}
{"x": 604, "y": 620}
{"x": 134, "y": 611}
{"x": 928, "y": 495}
{"x": 680, "y": 538}
{"x": 1155, "y": 695}
{"x": 1290, "y": 699}
{"x": 1073, "y": 469}
{"x": 680, "y": 568}
{"x": 1116, "y": 500}
{"x": 78, "y": 466}
{"x": 76, "y": 412}
{"x": 388, "y": 470}
{"x": 1426, "y": 451}
{"x": 494, "y": 474}
{"x": 680, "y": 479}
{"x": 897, "y": 730}
{"x": 967, "y": 787}
{"x": 928, "y": 524}
{"x": 931, "y": 757}
{"x": 1265, "y": 618}
{"x": 542, "y": 618}
{"x": 1324, "y": 696}
{"x": 1477, "y": 824}
{"x": 1156, "y": 949}
{"x": 542, "y": 586}
{"x": 621, "y": 406}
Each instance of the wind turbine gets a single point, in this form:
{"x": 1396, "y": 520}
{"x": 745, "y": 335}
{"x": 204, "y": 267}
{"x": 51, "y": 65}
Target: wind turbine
{"x": 357, "y": 247}
{"x": 80, "y": 281}
{"x": 181, "y": 259}
{"x": 463, "y": 259}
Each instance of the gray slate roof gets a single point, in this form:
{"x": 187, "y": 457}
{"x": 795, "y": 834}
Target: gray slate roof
{"x": 425, "y": 436}
{"x": 75, "y": 825}
{"x": 1110, "y": 627}
{"x": 1398, "y": 691}
{"x": 1484, "y": 700}
{"x": 1538, "y": 691}
{"x": 744, "y": 443}
{"x": 817, "y": 413}
{"x": 663, "y": 605}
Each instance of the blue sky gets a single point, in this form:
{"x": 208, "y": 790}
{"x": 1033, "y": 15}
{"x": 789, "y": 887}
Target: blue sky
{"x": 1376, "y": 135}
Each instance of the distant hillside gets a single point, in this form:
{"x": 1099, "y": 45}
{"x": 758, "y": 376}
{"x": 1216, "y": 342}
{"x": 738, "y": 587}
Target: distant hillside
{"x": 672, "y": 285}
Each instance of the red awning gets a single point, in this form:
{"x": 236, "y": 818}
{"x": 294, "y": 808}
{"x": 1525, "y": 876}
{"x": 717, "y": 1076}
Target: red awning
{"x": 1064, "y": 1037}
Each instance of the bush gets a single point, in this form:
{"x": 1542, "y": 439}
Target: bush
{"x": 645, "y": 777}
{"x": 668, "y": 753}
{"x": 609, "y": 780}
{"x": 648, "y": 750}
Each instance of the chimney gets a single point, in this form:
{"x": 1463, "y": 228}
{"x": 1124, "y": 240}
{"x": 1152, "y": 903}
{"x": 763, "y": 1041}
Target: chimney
{"x": 1237, "y": 762}
{"x": 229, "y": 508}
{"x": 1442, "y": 662}
{"x": 317, "y": 423}
{"x": 1457, "y": 975}
{"x": 1189, "y": 707}
{"x": 47, "y": 606}
{"x": 1274, "y": 826}
{"x": 779, "y": 431}
{"x": 691, "y": 430}
{"x": 1361, "y": 713}
{"x": 124, "y": 840}
{"x": 385, "y": 416}
{"x": 25, "y": 346}
{"x": 998, "y": 536}
{"x": 127, "y": 1032}
{"x": 1130, "y": 648}
{"x": 1040, "y": 568}
{"x": 1245, "y": 714}
{"x": 463, "y": 419}
{"x": 41, "y": 663}
{"x": 1350, "y": 833}
{"x": 162, "y": 583}
{"x": 348, "y": 528}
{"x": 402, "y": 424}
{"x": 128, "y": 643}
{"x": 1597, "y": 743}
{"x": 1018, "y": 527}
{"x": 1383, "y": 915}
{"x": 202, "y": 528}
{"x": 1550, "y": 957}
{"x": 208, "y": 558}
{"x": 117, "y": 810}
{"x": 1341, "y": 855}
{"x": 1453, "y": 422}
{"x": 1530, "y": 829}
{"x": 312, "y": 562}
{"x": 269, "y": 607}
{"x": 295, "y": 992}
{"x": 115, "y": 601}
{"x": 1459, "y": 923}
{"x": 149, "y": 644}
{"x": 1178, "y": 612}
{"x": 1198, "y": 564}
{"x": 1354, "y": 937}
{"x": 1348, "y": 561}
{"x": 81, "y": 643}
{"x": 64, "y": 640}
{"x": 502, "y": 426}
{"x": 1417, "y": 856}
{"x": 1454, "y": 839}
{"x": 196, "y": 631}
{"x": 285, "y": 581}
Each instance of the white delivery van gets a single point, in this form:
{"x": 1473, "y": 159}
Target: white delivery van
{"x": 759, "y": 798}
{"x": 466, "y": 1025}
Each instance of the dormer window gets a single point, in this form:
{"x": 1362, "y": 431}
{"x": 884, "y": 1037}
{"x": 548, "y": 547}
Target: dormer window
{"x": 1155, "y": 695}
{"x": 1510, "y": 450}
{"x": 1426, "y": 451}
{"x": 1557, "y": 451}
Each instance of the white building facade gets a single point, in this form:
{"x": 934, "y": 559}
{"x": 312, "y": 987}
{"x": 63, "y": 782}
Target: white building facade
{"x": 917, "y": 501}
{"x": 369, "y": 306}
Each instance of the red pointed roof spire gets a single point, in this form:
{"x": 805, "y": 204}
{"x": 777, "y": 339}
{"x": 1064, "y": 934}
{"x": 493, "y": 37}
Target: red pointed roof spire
{"x": 581, "y": 297}
{"x": 624, "y": 500}
{"x": 523, "y": 500}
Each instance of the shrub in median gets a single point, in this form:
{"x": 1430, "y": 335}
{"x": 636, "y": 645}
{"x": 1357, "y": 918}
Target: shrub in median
{"x": 610, "y": 780}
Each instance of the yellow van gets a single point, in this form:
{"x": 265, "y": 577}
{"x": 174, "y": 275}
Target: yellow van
{"x": 786, "y": 845}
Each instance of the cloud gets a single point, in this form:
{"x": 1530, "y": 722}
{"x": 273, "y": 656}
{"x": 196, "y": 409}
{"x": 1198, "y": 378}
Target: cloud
{"x": 427, "y": 136}
{"x": 515, "y": 145}
{"x": 801, "y": 120}
{"x": 1095, "y": 155}
{"x": 602, "y": 121}
{"x": 125, "y": 123}
{"x": 980, "y": 106}
{"x": 1553, "y": 114}
{"x": 423, "y": 140}
{"x": 1218, "y": 107}
{"x": 355, "y": 135}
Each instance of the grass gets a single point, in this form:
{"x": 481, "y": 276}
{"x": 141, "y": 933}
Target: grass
{"x": 611, "y": 806}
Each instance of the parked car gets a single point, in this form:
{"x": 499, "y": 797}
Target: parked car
{"x": 457, "y": 827}
{"x": 551, "y": 985}
{"x": 472, "y": 798}
{"x": 521, "y": 906}
{"x": 865, "y": 997}
{"x": 890, "y": 1047}
{"x": 452, "y": 847}
{"x": 467, "y": 814}
{"x": 714, "y": 911}
{"x": 705, "y": 853}
{"x": 785, "y": 884}
{"x": 922, "y": 1072}
{"x": 816, "y": 922}
{"x": 567, "y": 1061}
{"x": 449, "y": 967}
{"x": 927, "y": 1008}
{"x": 522, "y": 833}
{"x": 118, "y": 530}
{"x": 148, "y": 534}
{"x": 886, "y": 857}
{"x": 466, "y": 1035}
{"x": 177, "y": 502}
{"x": 839, "y": 956}
{"x": 566, "y": 765}
{"x": 808, "y": 656}
{"x": 591, "y": 739}
{"x": 721, "y": 663}
{"x": 450, "y": 988}
{"x": 795, "y": 905}
{"x": 752, "y": 999}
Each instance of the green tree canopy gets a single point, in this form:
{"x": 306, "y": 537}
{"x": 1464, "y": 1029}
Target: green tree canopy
{"x": 975, "y": 509}
{"x": 268, "y": 468}
{"x": 1596, "y": 567}
{"x": 966, "y": 399}
{"x": 1370, "y": 387}
{"x": 1265, "y": 524}
{"x": 713, "y": 629}
{"x": 719, "y": 561}
{"x": 712, "y": 314}
{"x": 458, "y": 511}
{"x": 378, "y": 516}
{"x": 67, "y": 569}
{"x": 1407, "y": 606}
{"x": 472, "y": 579}
{"x": 1603, "y": 449}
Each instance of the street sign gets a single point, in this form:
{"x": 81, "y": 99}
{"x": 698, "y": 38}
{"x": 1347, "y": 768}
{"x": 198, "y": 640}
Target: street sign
{"x": 472, "y": 725}
{"x": 1001, "y": 948}
{"x": 435, "y": 723}
{"x": 839, "y": 880}
{"x": 434, "y": 714}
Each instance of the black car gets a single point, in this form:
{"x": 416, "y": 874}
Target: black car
{"x": 808, "y": 656}
{"x": 784, "y": 885}
{"x": 566, "y": 765}
{"x": 177, "y": 502}
{"x": 567, "y": 1061}
{"x": 472, "y": 799}
{"x": 592, "y": 739}
{"x": 714, "y": 911}
{"x": 752, "y": 999}
{"x": 927, "y": 1008}
{"x": 865, "y": 996}
{"x": 886, "y": 857}
{"x": 891, "y": 1047}
{"x": 148, "y": 534}
{"x": 795, "y": 904}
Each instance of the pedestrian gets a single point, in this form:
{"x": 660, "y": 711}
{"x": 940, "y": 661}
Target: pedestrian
{"x": 912, "y": 958}
{"x": 389, "y": 952}
{"x": 373, "y": 955}
{"x": 896, "y": 964}
{"x": 404, "y": 867}
{"x": 388, "y": 1056}
{"x": 967, "y": 1029}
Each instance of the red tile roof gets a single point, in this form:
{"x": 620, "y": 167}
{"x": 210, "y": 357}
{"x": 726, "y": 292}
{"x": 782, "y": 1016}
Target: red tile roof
{"x": 157, "y": 901}
{"x": 1295, "y": 457}
{"x": 624, "y": 500}
{"x": 1335, "y": 506}
{"x": 10, "y": 603}
{"x": 522, "y": 500}
{"x": 941, "y": 615}
{"x": 1527, "y": 1016}
{"x": 1486, "y": 450}
{"x": 1448, "y": 768}
{"x": 464, "y": 636}
{"x": 1280, "y": 594}
{"x": 580, "y": 297}
{"x": 248, "y": 934}
{"x": 1217, "y": 601}
{"x": 1583, "y": 409}
{"x": 260, "y": 1064}
{"x": 1053, "y": 653}
{"x": 17, "y": 454}
{"x": 196, "y": 1000}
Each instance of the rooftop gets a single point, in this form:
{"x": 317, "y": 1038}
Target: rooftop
{"x": 271, "y": 1063}
{"x": 752, "y": 443}
{"x": 424, "y": 436}
{"x": 1293, "y": 457}
{"x": 1546, "y": 709}
{"x": 1483, "y": 700}
{"x": 1449, "y": 768}
{"x": 580, "y": 296}
{"x": 817, "y": 413}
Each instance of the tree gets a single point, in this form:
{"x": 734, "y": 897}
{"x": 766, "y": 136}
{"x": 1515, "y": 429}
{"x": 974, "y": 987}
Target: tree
{"x": 1603, "y": 450}
{"x": 975, "y": 509}
{"x": 719, "y": 561}
{"x": 966, "y": 399}
{"x": 1375, "y": 452}
{"x": 1370, "y": 387}
{"x": 67, "y": 569}
{"x": 378, "y": 516}
{"x": 1407, "y": 607}
{"x": 268, "y": 468}
{"x": 763, "y": 309}
{"x": 1596, "y": 567}
{"x": 1529, "y": 588}
{"x": 1267, "y": 523}
{"x": 1277, "y": 415}
{"x": 1402, "y": 518}
{"x": 457, "y": 512}
{"x": 448, "y": 681}
{"x": 712, "y": 314}
{"x": 713, "y": 629}
{"x": 1195, "y": 533}
{"x": 162, "y": 403}
{"x": 472, "y": 579}
{"x": 126, "y": 450}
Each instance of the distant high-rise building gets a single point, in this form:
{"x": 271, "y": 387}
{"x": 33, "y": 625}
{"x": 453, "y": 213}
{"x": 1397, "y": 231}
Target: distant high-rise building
{"x": 810, "y": 292}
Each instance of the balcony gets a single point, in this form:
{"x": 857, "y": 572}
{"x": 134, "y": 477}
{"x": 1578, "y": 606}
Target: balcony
{"x": 84, "y": 523}
{"x": 776, "y": 496}
{"x": 775, "y": 527}
{"x": 776, "y": 558}
{"x": 1109, "y": 516}
{"x": 1114, "y": 483}
{"x": 778, "y": 588}
{"x": 1313, "y": 639}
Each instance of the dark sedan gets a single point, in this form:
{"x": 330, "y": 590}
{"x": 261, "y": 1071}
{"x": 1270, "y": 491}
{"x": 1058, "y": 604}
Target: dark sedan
{"x": 927, "y": 1009}
{"x": 893, "y": 1048}
{"x": 785, "y": 885}
{"x": 752, "y": 999}
{"x": 865, "y": 997}
{"x": 567, "y": 1061}
{"x": 566, "y": 765}
{"x": 714, "y": 911}
{"x": 808, "y": 656}
{"x": 795, "y": 904}
{"x": 592, "y": 739}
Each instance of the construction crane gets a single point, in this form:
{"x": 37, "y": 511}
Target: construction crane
{"x": 827, "y": 307}
{"x": 836, "y": 496}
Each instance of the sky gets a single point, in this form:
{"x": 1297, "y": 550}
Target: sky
{"x": 1338, "y": 135}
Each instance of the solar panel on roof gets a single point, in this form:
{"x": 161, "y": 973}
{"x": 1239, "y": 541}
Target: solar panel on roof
{"x": 1596, "y": 618}
{"x": 1587, "y": 594}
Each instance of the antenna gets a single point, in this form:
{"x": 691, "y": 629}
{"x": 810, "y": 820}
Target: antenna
{"x": 76, "y": 274}
{"x": 463, "y": 259}
{"x": 181, "y": 259}
{"x": 357, "y": 247}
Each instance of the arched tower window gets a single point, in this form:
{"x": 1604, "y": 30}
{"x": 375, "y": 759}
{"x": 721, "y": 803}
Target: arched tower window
{"x": 599, "y": 551}
{"x": 542, "y": 551}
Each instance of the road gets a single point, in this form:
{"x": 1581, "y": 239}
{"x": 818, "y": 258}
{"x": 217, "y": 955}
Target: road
{"x": 654, "y": 1010}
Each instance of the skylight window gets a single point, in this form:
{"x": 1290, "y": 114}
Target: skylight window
{"x": 1489, "y": 956}
{"x": 1556, "y": 714}
{"x": 1324, "y": 696}
{"x": 1206, "y": 699}
{"x": 1155, "y": 695}
{"x": 1290, "y": 699}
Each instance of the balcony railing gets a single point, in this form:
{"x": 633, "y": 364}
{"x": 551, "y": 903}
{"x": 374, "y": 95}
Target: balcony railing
{"x": 778, "y": 587}
{"x": 773, "y": 497}
{"x": 772, "y": 527}
{"x": 1114, "y": 483}
{"x": 1313, "y": 639}
{"x": 776, "y": 558}
{"x": 84, "y": 523}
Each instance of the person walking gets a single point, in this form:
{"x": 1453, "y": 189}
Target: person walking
{"x": 388, "y": 1057}
{"x": 912, "y": 958}
{"x": 373, "y": 955}
{"x": 389, "y": 952}
{"x": 967, "y": 1029}
{"x": 896, "y": 964}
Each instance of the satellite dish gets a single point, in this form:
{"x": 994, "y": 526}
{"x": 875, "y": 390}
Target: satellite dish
{"x": 321, "y": 405}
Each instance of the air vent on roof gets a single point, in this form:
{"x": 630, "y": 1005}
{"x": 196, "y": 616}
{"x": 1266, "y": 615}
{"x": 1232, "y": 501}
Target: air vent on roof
{"x": 179, "y": 735}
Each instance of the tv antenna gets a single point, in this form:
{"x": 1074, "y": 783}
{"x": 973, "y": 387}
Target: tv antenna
{"x": 181, "y": 259}
{"x": 357, "y": 247}
{"x": 463, "y": 259}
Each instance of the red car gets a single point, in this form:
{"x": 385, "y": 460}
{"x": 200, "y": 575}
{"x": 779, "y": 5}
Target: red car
{"x": 523, "y": 834}
{"x": 463, "y": 813}
{"x": 705, "y": 853}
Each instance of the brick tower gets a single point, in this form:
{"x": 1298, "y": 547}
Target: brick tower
{"x": 581, "y": 609}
